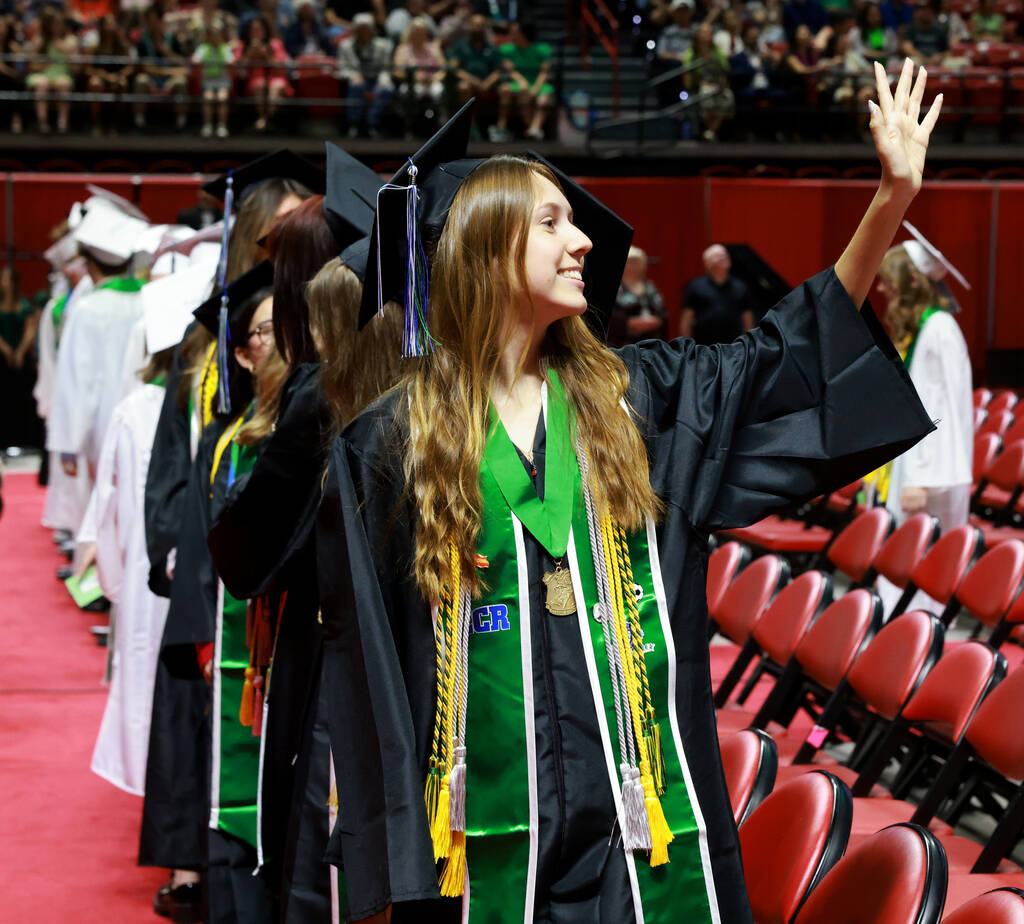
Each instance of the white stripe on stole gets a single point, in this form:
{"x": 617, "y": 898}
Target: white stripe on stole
{"x": 215, "y": 710}
{"x": 332, "y": 820}
{"x": 259, "y": 781}
{"x": 670, "y": 653}
{"x": 582, "y": 616}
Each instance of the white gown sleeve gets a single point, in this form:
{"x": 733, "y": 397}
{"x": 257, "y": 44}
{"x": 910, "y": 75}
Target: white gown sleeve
{"x": 941, "y": 372}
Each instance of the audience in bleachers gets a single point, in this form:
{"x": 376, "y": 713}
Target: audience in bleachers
{"x": 402, "y": 64}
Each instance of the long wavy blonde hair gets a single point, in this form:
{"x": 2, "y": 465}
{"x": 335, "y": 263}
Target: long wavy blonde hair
{"x": 912, "y": 292}
{"x": 479, "y": 272}
{"x": 357, "y": 366}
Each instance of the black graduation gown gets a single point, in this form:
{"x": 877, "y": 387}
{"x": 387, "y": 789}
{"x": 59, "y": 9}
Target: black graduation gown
{"x": 263, "y": 543}
{"x": 175, "y": 810}
{"x": 167, "y": 479}
{"x": 788, "y": 411}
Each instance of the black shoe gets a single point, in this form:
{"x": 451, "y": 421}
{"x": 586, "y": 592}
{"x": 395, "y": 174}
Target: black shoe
{"x": 101, "y": 634}
{"x": 67, "y": 549}
{"x": 162, "y": 900}
{"x": 187, "y": 903}
{"x": 64, "y": 572}
{"x": 99, "y": 605}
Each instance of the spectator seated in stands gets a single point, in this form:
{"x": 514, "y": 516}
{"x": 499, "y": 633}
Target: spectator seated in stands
{"x": 202, "y": 17}
{"x": 754, "y": 71}
{"x": 710, "y": 81}
{"x": 677, "y": 37}
{"x": 809, "y": 13}
{"x": 526, "y": 63}
{"x": 987, "y": 23}
{"x": 215, "y": 57}
{"x": 164, "y": 69}
{"x": 455, "y": 26}
{"x": 419, "y": 71}
{"x": 728, "y": 37}
{"x": 262, "y": 60}
{"x": 306, "y": 36}
{"x": 896, "y": 14}
{"x": 475, "y": 62}
{"x": 364, "y": 62}
{"x": 878, "y": 41}
{"x": 399, "y": 19}
{"x": 850, "y": 80}
{"x": 769, "y": 19}
{"x": 50, "y": 70}
{"x": 11, "y": 79}
{"x": 925, "y": 40}
{"x": 806, "y": 65}
{"x": 502, "y": 13}
{"x": 639, "y": 312}
{"x": 110, "y": 69}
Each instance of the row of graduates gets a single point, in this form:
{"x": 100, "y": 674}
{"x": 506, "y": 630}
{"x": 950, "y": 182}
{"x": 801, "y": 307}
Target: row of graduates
{"x": 459, "y": 664}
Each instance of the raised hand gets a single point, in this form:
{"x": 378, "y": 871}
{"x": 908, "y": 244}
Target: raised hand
{"x": 900, "y": 140}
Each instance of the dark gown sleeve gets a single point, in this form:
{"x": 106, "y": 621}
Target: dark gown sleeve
{"x": 379, "y": 676}
{"x": 269, "y": 514}
{"x": 191, "y": 617}
{"x": 166, "y": 480}
{"x": 812, "y": 399}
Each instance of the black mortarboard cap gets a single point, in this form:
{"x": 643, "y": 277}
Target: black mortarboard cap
{"x": 436, "y": 189}
{"x": 355, "y": 256}
{"x": 611, "y": 237}
{"x": 282, "y": 163}
{"x": 261, "y": 276}
{"x": 350, "y": 202}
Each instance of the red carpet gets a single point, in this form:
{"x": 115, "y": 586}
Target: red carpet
{"x": 68, "y": 839}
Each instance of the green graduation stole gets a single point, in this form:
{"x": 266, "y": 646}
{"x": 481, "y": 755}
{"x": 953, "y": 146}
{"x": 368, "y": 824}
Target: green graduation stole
{"x": 235, "y": 749}
{"x": 484, "y": 823}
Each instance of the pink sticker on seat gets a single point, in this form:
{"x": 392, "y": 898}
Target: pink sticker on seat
{"x": 817, "y": 736}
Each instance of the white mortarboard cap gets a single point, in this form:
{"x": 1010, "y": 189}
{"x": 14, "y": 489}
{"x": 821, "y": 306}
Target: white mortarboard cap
{"x": 109, "y": 233}
{"x": 206, "y": 254}
{"x": 97, "y": 192}
{"x": 929, "y": 259}
{"x": 184, "y": 244}
{"x": 75, "y": 216}
{"x": 168, "y": 303}
{"x": 62, "y": 252}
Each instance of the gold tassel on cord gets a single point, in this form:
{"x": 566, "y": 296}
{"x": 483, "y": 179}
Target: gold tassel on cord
{"x": 245, "y": 709}
{"x": 453, "y": 879}
{"x": 661, "y": 834}
{"x": 440, "y": 833}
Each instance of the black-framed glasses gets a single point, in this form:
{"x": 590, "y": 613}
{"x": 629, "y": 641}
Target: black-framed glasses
{"x": 264, "y": 331}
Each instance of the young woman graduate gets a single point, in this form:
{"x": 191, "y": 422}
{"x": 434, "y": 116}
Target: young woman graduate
{"x": 262, "y": 543}
{"x": 514, "y": 544}
{"x": 935, "y": 475}
{"x": 174, "y": 819}
{"x": 209, "y": 633}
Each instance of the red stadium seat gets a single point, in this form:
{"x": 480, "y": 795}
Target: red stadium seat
{"x": 788, "y": 616}
{"x": 855, "y": 548}
{"x": 791, "y": 841}
{"x": 1003, "y": 401}
{"x": 986, "y": 448}
{"x": 884, "y": 676}
{"x": 989, "y": 588}
{"x": 982, "y": 396}
{"x": 826, "y": 651}
{"x": 749, "y": 760}
{"x": 905, "y": 548}
{"x": 748, "y": 595}
{"x": 938, "y": 712}
{"x": 940, "y": 572}
{"x": 777, "y": 535}
{"x": 1004, "y": 54}
{"x": 948, "y": 84}
{"x": 980, "y": 416}
{"x": 1000, "y": 906}
{"x": 897, "y": 876}
{"x": 723, "y": 565}
{"x": 998, "y": 421}
{"x": 1005, "y": 473}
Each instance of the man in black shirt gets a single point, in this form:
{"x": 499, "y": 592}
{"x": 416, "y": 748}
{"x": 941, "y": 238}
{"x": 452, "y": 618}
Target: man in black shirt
{"x": 716, "y": 306}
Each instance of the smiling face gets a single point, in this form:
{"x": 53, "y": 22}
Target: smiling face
{"x": 555, "y": 249}
{"x": 253, "y": 356}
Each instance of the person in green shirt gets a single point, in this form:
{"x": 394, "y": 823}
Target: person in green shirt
{"x": 474, "y": 61}
{"x": 987, "y": 23}
{"x": 526, "y": 63}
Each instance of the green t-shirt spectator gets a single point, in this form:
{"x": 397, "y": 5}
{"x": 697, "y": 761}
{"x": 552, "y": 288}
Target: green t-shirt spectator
{"x": 987, "y": 25}
{"x": 214, "y": 59}
{"x": 527, "y": 61}
{"x": 479, "y": 62}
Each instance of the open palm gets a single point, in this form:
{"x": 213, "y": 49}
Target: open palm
{"x": 900, "y": 140}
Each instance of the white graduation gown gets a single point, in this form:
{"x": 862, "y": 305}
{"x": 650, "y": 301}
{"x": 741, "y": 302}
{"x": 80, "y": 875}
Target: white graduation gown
{"x": 89, "y": 364}
{"x": 941, "y": 463}
{"x": 66, "y": 497}
{"x": 123, "y": 567}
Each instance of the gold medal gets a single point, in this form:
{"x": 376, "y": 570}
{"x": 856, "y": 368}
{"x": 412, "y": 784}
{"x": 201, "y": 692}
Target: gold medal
{"x": 559, "y": 600}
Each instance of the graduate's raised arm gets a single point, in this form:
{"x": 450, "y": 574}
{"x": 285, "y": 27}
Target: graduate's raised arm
{"x": 901, "y": 141}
